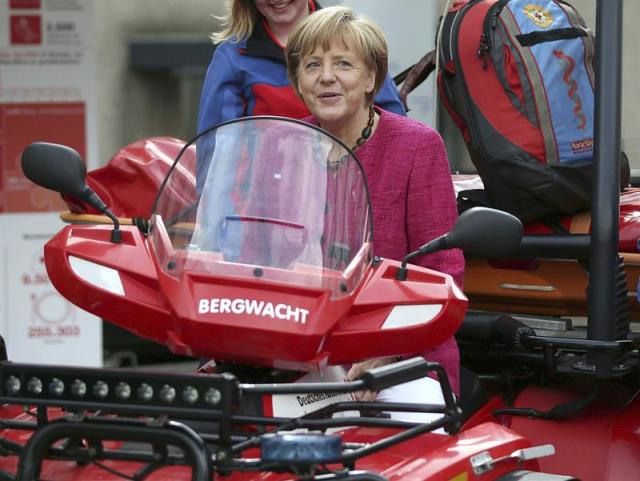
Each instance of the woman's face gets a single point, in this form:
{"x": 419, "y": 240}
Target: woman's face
{"x": 283, "y": 12}
{"x": 334, "y": 83}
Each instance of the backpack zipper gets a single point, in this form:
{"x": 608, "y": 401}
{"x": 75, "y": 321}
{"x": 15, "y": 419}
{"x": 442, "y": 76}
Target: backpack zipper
{"x": 467, "y": 117}
{"x": 490, "y": 24}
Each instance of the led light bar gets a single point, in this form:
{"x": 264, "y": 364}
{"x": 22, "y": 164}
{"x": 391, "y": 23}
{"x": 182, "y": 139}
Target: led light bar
{"x": 119, "y": 390}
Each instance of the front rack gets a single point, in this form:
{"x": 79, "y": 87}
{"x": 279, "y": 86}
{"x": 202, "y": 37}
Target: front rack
{"x": 200, "y": 414}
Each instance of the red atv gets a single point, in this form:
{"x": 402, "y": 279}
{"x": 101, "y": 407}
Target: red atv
{"x": 267, "y": 263}
{"x": 244, "y": 271}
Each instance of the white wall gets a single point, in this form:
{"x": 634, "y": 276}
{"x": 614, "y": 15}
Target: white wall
{"x": 410, "y": 30}
{"x": 134, "y": 105}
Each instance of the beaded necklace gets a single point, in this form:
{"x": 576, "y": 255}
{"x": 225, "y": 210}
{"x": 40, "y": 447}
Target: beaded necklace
{"x": 366, "y": 132}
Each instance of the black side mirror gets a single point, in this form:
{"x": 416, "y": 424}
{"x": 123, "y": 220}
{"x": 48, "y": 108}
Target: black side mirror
{"x": 486, "y": 232}
{"x": 56, "y": 167}
{"x": 480, "y": 230}
{"x": 3, "y": 350}
{"x": 61, "y": 169}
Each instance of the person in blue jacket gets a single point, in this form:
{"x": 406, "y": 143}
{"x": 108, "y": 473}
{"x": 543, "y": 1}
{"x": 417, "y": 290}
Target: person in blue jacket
{"x": 248, "y": 74}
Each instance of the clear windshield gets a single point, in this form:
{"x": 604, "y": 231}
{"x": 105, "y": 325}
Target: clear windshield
{"x": 281, "y": 200}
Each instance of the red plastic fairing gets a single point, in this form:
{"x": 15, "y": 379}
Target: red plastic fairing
{"x": 142, "y": 310}
{"x": 362, "y": 333}
{"x": 130, "y": 181}
{"x": 330, "y": 331}
{"x": 319, "y": 328}
{"x": 629, "y": 228}
{"x": 602, "y": 444}
{"x": 431, "y": 457}
{"x": 485, "y": 413}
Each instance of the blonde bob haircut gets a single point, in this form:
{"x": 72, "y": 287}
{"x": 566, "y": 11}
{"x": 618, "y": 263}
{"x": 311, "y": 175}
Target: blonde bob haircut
{"x": 329, "y": 24}
{"x": 237, "y": 23}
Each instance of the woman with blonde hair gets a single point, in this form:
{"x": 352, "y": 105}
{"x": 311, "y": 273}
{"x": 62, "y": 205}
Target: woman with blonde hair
{"x": 337, "y": 62}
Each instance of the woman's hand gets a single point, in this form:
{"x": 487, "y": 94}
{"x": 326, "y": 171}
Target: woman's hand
{"x": 357, "y": 369}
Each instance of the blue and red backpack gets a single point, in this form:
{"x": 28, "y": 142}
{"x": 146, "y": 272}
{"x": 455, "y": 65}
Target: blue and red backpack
{"x": 517, "y": 78}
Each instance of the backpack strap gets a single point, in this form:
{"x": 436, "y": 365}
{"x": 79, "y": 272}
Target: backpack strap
{"x": 534, "y": 38}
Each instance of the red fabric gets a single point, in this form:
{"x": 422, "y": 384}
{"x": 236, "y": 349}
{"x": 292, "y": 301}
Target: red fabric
{"x": 487, "y": 92}
{"x": 129, "y": 183}
{"x": 270, "y": 99}
{"x": 629, "y": 223}
{"x": 458, "y": 4}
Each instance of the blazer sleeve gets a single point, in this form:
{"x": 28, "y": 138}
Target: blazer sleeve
{"x": 431, "y": 205}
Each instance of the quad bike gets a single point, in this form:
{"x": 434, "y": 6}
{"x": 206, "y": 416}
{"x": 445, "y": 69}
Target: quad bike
{"x": 268, "y": 263}
{"x": 535, "y": 384}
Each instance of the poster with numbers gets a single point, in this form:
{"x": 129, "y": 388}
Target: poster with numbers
{"x": 47, "y": 93}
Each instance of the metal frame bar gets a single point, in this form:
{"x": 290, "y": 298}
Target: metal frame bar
{"x": 171, "y": 433}
{"x": 606, "y": 202}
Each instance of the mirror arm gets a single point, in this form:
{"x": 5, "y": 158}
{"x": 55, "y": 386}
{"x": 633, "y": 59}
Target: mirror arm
{"x": 401, "y": 275}
{"x": 437, "y": 244}
{"x": 116, "y": 236}
{"x": 89, "y": 196}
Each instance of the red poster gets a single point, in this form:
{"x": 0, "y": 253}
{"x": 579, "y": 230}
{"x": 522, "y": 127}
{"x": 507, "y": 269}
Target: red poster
{"x": 26, "y": 29}
{"x": 3, "y": 207}
{"x": 62, "y": 123}
{"x": 24, "y": 4}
